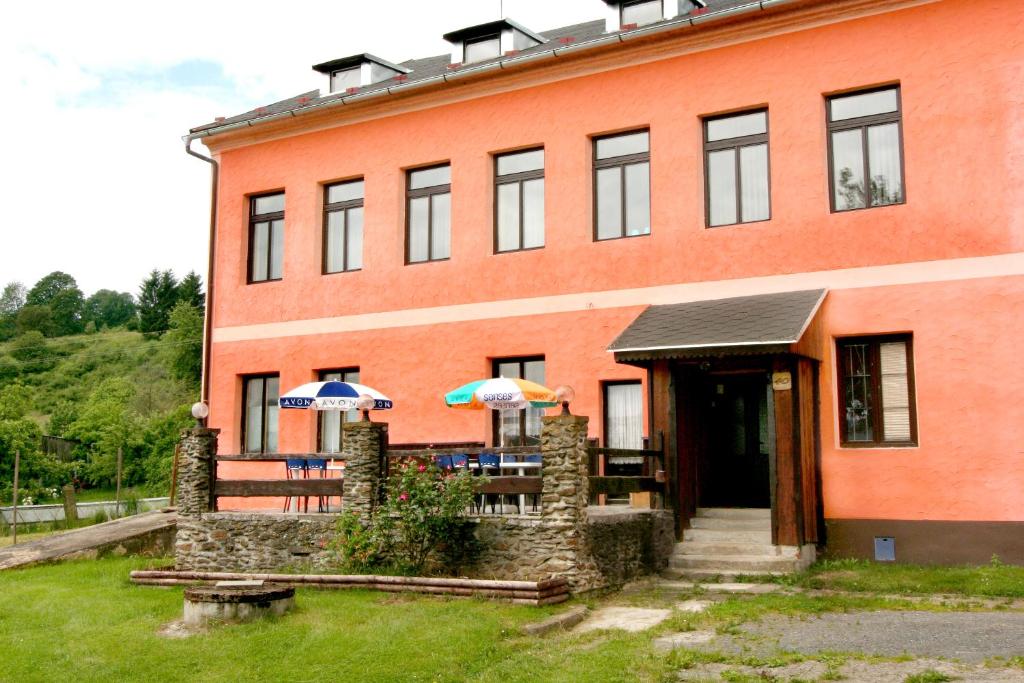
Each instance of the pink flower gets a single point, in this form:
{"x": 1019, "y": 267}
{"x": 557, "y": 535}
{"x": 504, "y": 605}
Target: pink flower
{"x": 404, "y": 496}
{"x": 423, "y": 468}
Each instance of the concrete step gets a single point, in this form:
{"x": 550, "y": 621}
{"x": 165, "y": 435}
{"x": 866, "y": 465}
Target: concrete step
{"x": 731, "y": 524}
{"x": 727, "y": 536}
{"x": 719, "y": 548}
{"x": 735, "y": 513}
{"x": 710, "y": 575}
{"x": 742, "y": 563}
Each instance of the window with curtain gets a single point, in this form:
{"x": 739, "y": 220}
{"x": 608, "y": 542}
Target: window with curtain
{"x": 623, "y": 415}
{"x": 622, "y": 185}
{"x": 266, "y": 237}
{"x": 876, "y": 384}
{"x": 518, "y": 427}
{"x": 736, "y": 169}
{"x": 866, "y": 149}
{"x": 519, "y": 200}
{"x": 343, "y": 227}
{"x": 330, "y": 420}
{"x": 428, "y": 214}
{"x": 259, "y": 417}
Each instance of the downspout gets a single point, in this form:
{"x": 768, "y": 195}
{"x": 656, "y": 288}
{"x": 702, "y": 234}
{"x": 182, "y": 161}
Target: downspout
{"x": 204, "y": 390}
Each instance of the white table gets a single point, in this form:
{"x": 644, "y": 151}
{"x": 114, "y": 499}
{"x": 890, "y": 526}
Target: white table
{"x": 521, "y": 468}
{"x": 333, "y": 466}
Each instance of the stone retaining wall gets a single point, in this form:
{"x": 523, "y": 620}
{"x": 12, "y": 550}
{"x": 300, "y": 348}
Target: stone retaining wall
{"x": 589, "y": 547}
{"x": 253, "y": 542}
{"x": 610, "y": 548}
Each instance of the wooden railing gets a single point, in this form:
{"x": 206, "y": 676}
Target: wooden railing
{"x": 650, "y": 480}
{"x": 516, "y": 485}
{"x": 315, "y": 487}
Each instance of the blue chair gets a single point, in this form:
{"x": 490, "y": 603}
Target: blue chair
{"x": 295, "y": 468}
{"x": 460, "y": 461}
{"x": 317, "y": 465}
{"x": 443, "y": 462}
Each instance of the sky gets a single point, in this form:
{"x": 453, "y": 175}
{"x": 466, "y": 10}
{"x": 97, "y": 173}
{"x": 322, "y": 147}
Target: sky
{"x": 96, "y": 96}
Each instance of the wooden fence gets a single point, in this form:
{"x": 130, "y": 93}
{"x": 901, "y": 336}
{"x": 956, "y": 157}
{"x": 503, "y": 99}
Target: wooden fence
{"x": 650, "y": 480}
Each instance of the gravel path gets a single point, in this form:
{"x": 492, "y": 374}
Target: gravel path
{"x": 965, "y": 636}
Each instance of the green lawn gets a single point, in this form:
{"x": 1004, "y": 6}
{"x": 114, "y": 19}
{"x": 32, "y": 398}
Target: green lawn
{"x": 992, "y": 580}
{"x": 83, "y": 621}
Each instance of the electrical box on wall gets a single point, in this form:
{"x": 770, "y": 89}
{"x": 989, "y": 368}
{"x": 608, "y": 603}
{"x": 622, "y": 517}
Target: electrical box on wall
{"x": 885, "y": 549}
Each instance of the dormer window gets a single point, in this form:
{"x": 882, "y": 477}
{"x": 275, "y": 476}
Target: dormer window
{"x": 492, "y": 40}
{"x": 641, "y": 12}
{"x": 343, "y": 79}
{"x": 358, "y": 71}
{"x": 481, "y": 49}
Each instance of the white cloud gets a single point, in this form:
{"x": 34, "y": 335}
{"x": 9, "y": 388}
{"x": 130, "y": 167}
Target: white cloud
{"x": 95, "y": 176}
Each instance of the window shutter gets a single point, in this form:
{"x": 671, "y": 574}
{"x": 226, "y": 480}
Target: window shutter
{"x": 895, "y": 391}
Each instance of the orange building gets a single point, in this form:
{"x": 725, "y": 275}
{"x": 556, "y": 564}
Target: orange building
{"x": 783, "y": 238}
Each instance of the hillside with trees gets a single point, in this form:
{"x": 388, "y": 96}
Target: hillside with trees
{"x": 106, "y": 371}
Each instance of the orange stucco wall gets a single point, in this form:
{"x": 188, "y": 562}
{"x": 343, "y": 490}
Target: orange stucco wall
{"x": 964, "y": 165}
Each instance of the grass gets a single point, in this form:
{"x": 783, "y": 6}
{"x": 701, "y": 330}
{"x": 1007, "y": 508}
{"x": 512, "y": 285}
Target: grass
{"x": 104, "y": 495}
{"x": 5, "y": 541}
{"x": 929, "y": 676}
{"x": 992, "y": 580}
{"x": 83, "y": 620}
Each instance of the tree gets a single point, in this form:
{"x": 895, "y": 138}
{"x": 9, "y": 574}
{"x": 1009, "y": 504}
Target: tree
{"x": 107, "y": 308}
{"x": 35, "y": 319}
{"x": 104, "y": 423}
{"x": 185, "y": 343}
{"x": 60, "y": 292}
{"x": 190, "y": 290}
{"x": 11, "y": 301}
{"x": 157, "y": 297}
{"x": 31, "y": 346}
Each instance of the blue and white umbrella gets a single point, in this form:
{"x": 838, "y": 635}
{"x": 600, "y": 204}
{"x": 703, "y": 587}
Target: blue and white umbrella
{"x": 332, "y": 395}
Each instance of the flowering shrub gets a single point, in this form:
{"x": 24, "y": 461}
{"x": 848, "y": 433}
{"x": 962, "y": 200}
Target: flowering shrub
{"x": 420, "y": 526}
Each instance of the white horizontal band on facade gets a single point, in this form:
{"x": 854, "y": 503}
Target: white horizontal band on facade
{"x": 948, "y": 270}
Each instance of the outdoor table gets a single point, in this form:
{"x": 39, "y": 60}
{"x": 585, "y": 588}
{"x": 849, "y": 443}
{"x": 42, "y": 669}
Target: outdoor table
{"x": 521, "y": 467}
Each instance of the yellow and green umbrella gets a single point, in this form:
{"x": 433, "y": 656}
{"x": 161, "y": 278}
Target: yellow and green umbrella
{"x": 501, "y": 393}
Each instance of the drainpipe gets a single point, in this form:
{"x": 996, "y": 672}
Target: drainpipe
{"x": 204, "y": 390}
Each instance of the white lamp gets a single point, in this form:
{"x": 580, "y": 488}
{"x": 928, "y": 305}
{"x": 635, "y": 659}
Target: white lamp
{"x": 365, "y": 403}
{"x": 565, "y": 394}
{"x": 200, "y": 411}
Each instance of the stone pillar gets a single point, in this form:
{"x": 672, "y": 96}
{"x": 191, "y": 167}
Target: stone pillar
{"x": 361, "y": 449}
{"x": 563, "y": 442}
{"x": 196, "y": 462}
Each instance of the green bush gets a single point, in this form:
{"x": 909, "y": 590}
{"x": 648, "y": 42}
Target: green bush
{"x": 421, "y": 527}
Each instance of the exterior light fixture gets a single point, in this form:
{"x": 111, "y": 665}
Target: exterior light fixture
{"x": 565, "y": 395}
{"x": 365, "y": 403}
{"x": 200, "y": 411}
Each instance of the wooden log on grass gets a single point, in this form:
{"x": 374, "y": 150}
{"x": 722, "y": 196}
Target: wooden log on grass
{"x": 351, "y": 579}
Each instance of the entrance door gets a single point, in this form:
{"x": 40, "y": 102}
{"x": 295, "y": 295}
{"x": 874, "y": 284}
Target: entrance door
{"x": 735, "y": 473}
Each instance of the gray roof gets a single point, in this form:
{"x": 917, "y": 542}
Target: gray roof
{"x": 762, "y": 320}
{"x": 432, "y": 67}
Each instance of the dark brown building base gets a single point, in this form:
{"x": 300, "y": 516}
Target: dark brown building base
{"x": 927, "y": 542}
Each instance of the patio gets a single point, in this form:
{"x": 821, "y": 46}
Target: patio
{"x": 564, "y": 537}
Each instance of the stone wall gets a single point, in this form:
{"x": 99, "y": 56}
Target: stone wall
{"x": 612, "y": 546}
{"x": 590, "y": 547}
{"x": 253, "y": 542}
